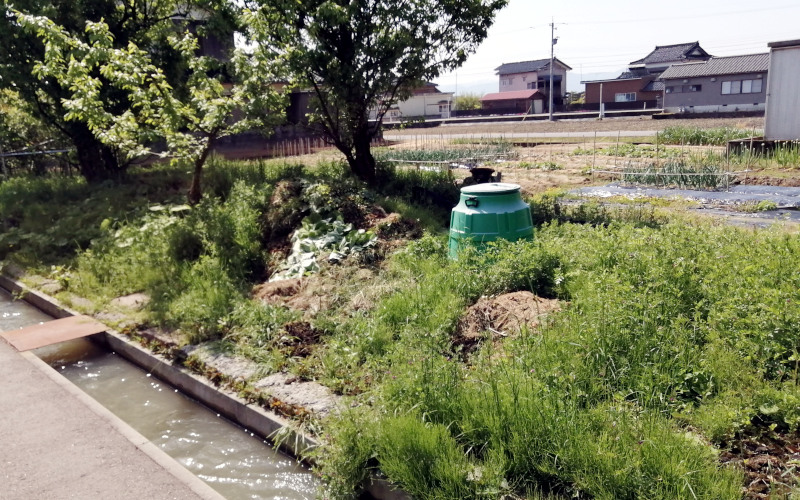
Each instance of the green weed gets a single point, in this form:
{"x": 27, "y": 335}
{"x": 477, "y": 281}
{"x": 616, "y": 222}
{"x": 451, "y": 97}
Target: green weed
{"x": 702, "y": 137}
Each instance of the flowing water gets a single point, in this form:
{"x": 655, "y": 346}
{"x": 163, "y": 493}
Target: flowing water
{"x": 232, "y": 460}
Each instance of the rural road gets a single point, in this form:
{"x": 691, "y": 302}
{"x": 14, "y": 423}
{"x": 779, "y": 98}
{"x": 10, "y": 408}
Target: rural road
{"x": 518, "y": 135}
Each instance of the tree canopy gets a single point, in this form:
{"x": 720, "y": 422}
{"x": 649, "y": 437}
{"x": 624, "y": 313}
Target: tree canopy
{"x": 361, "y": 56}
{"x": 147, "y": 25}
{"x": 181, "y": 123}
{"x": 468, "y": 101}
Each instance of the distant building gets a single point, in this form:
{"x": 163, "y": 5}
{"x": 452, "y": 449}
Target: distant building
{"x": 718, "y": 85}
{"x": 638, "y": 87}
{"x": 426, "y": 101}
{"x": 783, "y": 92}
{"x": 517, "y": 101}
{"x": 534, "y": 75}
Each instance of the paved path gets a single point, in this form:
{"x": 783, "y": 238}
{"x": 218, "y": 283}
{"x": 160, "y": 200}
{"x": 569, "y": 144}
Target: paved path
{"x": 56, "y": 442}
{"x": 518, "y": 135}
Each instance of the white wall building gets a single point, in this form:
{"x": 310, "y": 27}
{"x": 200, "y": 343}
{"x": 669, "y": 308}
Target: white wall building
{"x": 426, "y": 102}
{"x": 783, "y": 91}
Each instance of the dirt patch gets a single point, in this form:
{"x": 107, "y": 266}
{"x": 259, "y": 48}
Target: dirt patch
{"x": 501, "y": 316}
{"x": 300, "y": 338}
{"x": 309, "y": 294}
{"x": 272, "y": 291}
{"x": 395, "y": 226}
{"x": 766, "y": 180}
{"x": 769, "y": 465}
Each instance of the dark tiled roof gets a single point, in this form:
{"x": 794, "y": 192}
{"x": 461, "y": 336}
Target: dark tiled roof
{"x": 633, "y": 73}
{"x": 526, "y": 66}
{"x": 732, "y": 65}
{"x": 783, "y": 44}
{"x": 673, "y": 53}
{"x": 653, "y": 86}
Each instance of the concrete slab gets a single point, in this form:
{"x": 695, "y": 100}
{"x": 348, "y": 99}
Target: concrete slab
{"x": 53, "y": 332}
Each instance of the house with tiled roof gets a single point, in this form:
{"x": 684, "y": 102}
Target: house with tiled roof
{"x": 718, "y": 85}
{"x": 534, "y": 75}
{"x": 665, "y": 55}
{"x": 516, "y": 101}
{"x": 638, "y": 87}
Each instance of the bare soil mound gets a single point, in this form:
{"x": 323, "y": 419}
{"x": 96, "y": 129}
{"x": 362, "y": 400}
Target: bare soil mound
{"x": 765, "y": 180}
{"x": 768, "y": 463}
{"x": 308, "y": 294}
{"x": 503, "y": 315}
{"x": 300, "y": 338}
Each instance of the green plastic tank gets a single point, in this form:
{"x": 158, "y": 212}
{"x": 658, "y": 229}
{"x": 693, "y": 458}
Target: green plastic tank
{"x": 488, "y": 212}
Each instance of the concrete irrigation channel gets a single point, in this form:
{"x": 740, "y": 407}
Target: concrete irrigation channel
{"x": 210, "y": 432}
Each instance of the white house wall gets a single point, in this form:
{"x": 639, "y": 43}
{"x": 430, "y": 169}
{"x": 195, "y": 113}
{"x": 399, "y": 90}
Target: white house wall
{"x": 783, "y": 94}
{"x": 518, "y": 81}
{"x": 417, "y": 106}
{"x": 427, "y": 105}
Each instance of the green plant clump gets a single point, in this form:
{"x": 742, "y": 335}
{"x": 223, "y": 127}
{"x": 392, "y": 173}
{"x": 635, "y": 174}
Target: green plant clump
{"x": 677, "y": 173}
{"x": 696, "y": 136}
{"x": 479, "y": 153}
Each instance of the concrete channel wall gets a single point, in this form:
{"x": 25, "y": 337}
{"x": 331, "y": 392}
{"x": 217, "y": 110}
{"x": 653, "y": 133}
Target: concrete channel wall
{"x": 268, "y": 425}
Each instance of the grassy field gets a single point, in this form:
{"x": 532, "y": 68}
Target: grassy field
{"x": 650, "y": 355}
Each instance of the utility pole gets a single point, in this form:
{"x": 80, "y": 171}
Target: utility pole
{"x": 455, "y": 96}
{"x": 552, "y": 58}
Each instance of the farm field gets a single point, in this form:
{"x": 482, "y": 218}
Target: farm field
{"x": 630, "y": 350}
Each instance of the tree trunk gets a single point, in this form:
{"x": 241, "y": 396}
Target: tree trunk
{"x": 96, "y": 161}
{"x": 362, "y": 163}
{"x": 195, "y": 190}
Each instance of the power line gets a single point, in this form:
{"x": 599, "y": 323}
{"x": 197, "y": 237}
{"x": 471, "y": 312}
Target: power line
{"x": 683, "y": 17}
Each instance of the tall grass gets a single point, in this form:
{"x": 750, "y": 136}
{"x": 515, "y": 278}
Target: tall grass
{"x": 460, "y": 154}
{"x": 666, "y": 326}
{"x": 48, "y": 220}
{"x": 695, "y": 136}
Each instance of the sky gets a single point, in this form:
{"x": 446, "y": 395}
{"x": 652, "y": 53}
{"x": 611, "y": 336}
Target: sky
{"x": 598, "y": 38}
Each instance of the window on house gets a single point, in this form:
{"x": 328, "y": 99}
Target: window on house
{"x": 742, "y": 86}
{"x": 751, "y": 86}
{"x": 695, "y": 88}
{"x": 443, "y": 108}
{"x": 531, "y": 85}
{"x": 747, "y": 86}
{"x": 674, "y": 89}
{"x": 625, "y": 97}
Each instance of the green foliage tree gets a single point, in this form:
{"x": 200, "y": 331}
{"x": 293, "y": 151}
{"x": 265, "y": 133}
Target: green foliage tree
{"x": 361, "y": 56}
{"x": 187, "y": 121}
{"x": 148, "y": 25}
{"x": 467, "y": 101}
{"x": 20, "y": 130}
